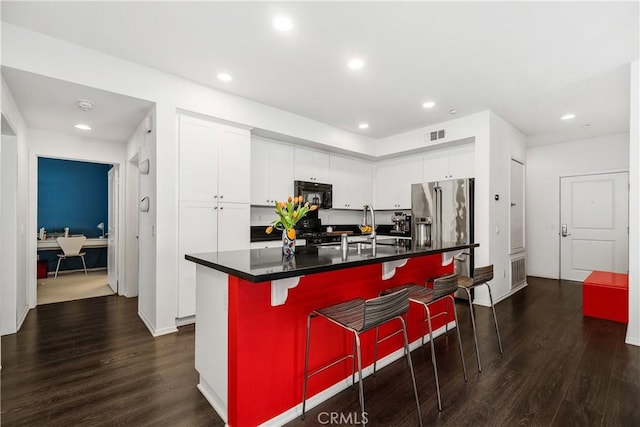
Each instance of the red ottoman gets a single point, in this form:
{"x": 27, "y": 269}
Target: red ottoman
{"x": 606, "y": 296}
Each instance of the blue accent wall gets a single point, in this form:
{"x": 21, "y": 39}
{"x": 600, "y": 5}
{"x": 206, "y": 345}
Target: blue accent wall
{"x": 72, "y": 194}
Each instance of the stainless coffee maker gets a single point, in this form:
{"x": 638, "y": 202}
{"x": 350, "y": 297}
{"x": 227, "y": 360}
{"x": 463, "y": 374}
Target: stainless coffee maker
{"x": 401, "y": 222}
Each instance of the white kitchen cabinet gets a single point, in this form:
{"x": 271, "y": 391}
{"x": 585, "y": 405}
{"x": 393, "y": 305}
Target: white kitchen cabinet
{"x": 352, "y": 182}
{"x": 207, "y": 227}
{"x": 214, "y": 195}
{"x": 234, "y": 231}
{"x": 213, "y": 161}
{"x": 271, "y": 172}
{"x": 198, "y": 222}
{"x": 450, "y": 163}
{"x": 312, "y": 166}
{"x": 234, "y": 169}
{"x": 198, "y": 160}
{"x": 393, "y": 181}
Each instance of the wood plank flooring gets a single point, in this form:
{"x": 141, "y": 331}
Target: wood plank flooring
{"x": 92, "y": 362}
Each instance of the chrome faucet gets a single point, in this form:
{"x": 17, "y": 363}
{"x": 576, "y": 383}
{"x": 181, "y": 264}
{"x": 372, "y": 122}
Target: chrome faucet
{"x": 373, "y": 220}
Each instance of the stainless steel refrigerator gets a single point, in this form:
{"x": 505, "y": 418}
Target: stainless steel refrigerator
{"x": 448, "y": 207}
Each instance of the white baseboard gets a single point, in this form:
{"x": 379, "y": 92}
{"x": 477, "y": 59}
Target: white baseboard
{"x": 156, "y": 332}
{"x": 632, "y": 341}
{"x": 218, "y": 405}
{"x": 22, "y": 317}
{"x": 188, "y": 320}
{"x": 296, "y": 411}
{"x": 485, "y": 303}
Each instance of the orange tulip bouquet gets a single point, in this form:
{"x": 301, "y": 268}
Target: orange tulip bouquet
{"x": 289, "y": 213}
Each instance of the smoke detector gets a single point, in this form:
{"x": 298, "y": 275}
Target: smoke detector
{"x": 85, "y": 105}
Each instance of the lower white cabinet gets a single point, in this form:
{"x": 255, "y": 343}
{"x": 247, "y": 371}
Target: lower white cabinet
{"x": 207, "y": 227}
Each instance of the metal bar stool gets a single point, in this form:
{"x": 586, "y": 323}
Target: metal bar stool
{"x": 443, "y": 287}
{"x": 358, "y": 316}
{"x": 481, "y": 276}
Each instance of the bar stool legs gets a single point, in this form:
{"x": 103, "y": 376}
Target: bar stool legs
{"x": 357, "y": 316}
{"x": 481, "y": 276}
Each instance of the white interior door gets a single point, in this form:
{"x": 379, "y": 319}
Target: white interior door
{"x": 112, "y": 236}
{"x": 516, "y": 213}
{"x": 594, "y": 220}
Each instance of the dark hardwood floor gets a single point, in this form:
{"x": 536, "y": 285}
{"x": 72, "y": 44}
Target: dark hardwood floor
{"x": 93, "y": 362}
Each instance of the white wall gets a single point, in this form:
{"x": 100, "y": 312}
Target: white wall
{"x": 18, "y": 306}
{"x": 633, "y": 329}
{"x": 505, "y": 143}
{"x": 9, "y": 233}
{"x": 545, "y": 165}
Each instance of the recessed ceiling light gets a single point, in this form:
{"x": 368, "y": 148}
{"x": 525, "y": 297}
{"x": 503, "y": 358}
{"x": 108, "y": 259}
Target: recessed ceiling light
{"x": 452, "y": 111}
{"x": 356, "y": 64}
{"x": 568, "y": 117}
{"x": 363, "y": 125}
{"x": 429, "y": 104}
{"x": 82, "y": 126}
{"x": 224, "y": 77}
{"x": 282, "y": 23}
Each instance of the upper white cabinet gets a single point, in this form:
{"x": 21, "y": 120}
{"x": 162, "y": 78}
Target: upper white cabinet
{"x": 352, "y": 182}
{"x": 393, "y": 182}
{"x": 450, "y": 163}
{"x": 213, "y": 161}
{"x": 271, "y": 172}
{"x": 311, "y": 166}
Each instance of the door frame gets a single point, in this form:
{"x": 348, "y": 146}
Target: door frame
{"x": 32, "y": 255}
{"x": 573, "y": 175}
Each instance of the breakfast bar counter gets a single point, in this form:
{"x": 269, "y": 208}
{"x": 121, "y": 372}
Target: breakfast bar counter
{"x": 251, "y": 313}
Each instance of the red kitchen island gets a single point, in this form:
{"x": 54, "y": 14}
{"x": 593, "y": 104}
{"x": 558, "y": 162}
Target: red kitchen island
{"x": 251, "y": 313}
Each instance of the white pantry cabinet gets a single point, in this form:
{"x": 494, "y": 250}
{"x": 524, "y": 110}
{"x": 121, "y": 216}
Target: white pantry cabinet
{"x": 393, "y": 182}
{"x": 352, "y": 182}
{"x": 214, "y": 194}
{"x": 271, "y": 172}
{"x": 450, "y": 163}
{"x": 311, "y": 166}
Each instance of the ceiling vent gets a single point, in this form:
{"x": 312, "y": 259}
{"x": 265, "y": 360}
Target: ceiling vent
{"x": 434, "y": 136}
{"x": 85, "y": 105}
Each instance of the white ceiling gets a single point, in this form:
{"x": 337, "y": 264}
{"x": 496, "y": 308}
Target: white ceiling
{"x": 51, "y": 105}
{"x": 529, "y": 62}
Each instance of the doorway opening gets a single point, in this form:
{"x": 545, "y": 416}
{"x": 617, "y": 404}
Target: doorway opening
{"x": 77, "y": 205}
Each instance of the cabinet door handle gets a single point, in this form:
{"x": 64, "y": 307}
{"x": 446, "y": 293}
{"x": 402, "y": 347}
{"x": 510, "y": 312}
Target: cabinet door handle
{"x": 215, "y": 196}
{"x": 221, "y": 208}
{"x": 215, "y": 207}
{"x": 221, "y": 196}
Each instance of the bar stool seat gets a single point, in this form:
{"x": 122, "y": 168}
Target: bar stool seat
{"x": 481, "y": 276}
{"x": 358, "y": 316}
{"x": 443, "y": 287}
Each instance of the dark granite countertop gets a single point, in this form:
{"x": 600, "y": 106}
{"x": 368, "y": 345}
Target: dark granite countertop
{"x": 261, "y": 265}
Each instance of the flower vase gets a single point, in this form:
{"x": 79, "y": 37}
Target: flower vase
{"x": 288, "y": 245}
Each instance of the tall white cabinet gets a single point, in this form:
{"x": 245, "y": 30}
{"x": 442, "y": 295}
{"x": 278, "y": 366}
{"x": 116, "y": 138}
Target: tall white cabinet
{"x": 214, "y": 196}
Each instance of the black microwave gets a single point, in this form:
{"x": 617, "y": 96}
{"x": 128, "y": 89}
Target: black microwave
{"x": 314, "y": 192}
